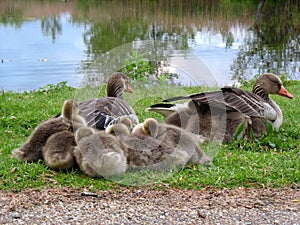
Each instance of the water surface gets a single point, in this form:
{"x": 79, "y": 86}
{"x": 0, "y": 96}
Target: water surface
{"x": 203, "y": 42}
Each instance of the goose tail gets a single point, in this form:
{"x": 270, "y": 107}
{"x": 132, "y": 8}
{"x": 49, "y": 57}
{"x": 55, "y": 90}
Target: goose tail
{"x": 177, "y": 98}
{"x": 163, "y": 109}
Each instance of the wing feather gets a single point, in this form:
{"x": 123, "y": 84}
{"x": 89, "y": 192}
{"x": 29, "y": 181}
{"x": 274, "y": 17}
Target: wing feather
{"x": 101, "y": 112}
{"x": 232, "y": 98}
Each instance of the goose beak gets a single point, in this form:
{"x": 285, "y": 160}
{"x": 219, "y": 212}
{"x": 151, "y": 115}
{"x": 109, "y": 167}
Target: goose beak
{"x": 285, "y": 93}
{"x": 128, "y": 89}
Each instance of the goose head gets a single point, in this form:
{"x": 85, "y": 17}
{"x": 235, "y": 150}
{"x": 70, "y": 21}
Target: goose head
{"x": 269, "y": 83}
{"x": 266, "y": 84}
{"x": 117, "y": 84}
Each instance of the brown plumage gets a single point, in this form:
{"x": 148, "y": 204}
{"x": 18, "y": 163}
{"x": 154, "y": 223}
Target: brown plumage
{"x": 31, "y": 150}
{"x": 58, "y": 152}
{"x": 159, "y": 147}
{"x": 220, "y": 112}
{"x": 118, "y": 129}
{"x": 83, "y": 164}
{"x": 145, "y": 152}
{"x": 99, "y": 113}
{"x": 70, "y": 113}
{"x": 99, "y": 154}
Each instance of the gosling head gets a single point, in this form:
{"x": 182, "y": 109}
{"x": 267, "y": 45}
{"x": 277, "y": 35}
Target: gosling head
{"x": 149, "y": 128}
{"x": 118, "y": 129}
{"x": 69, "y": 108}
{"x": 126, "y": 121}
{"x": 70, "y": 112}
{"x": 83, "y": 132}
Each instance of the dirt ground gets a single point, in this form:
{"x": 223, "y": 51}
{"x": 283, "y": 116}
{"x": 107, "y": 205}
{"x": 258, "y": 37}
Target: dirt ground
{"x": 144, "y": 206}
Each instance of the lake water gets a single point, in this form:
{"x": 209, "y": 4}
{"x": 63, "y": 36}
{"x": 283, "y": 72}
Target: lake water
{"x": 32, "y": 60}
{"x": 82, "y": 42}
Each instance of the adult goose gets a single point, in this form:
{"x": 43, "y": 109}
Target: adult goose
{"x": 99, "y": 113}
{"x": 222, "y": 111}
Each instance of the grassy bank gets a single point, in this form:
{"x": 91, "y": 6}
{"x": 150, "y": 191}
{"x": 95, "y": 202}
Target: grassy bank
{"x": 272, "y": 161}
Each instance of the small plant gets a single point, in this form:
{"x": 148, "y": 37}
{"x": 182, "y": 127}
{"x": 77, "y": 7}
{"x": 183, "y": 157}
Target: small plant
{"x": 138, "y": 68}
{"x": 284, "y": 78}
{"x": 248, "y": 84}
{"x": 52, "y": 87}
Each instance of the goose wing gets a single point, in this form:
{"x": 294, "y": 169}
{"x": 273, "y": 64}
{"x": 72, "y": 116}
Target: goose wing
{"x": 166, "y": 109}
{"x": 231, "y": 99}
{"x": 101, "y": 112}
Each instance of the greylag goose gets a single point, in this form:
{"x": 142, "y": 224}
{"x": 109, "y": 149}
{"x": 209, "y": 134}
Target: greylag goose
{"x": 118, "y": 129}
{"x": 99, "y": 154}
{"x": 157, "y": 147}
{"x": 225, "y": 109}
{"x": 82, "y": 162}
{"x": 174, "y": 136}
{"x": 99, "y": 113}
{"x": 147, "y": 153}
{"x": 32, "y": 149}
{"x": 58, "y": 152}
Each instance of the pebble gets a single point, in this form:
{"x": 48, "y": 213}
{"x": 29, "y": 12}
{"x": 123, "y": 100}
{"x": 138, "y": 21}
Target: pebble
{"x": 142, "y": 206}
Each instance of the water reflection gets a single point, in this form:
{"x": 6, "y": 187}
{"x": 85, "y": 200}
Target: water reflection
{"x": 195, "y": 39}
{"x": 52, "y": 26}
{"x": 32, "y": 60}
{"x": 273, "y": 43}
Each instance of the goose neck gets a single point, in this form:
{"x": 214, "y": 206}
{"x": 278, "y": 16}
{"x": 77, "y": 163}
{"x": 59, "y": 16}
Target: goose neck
{"x": 258, "y": 90}
{"x": 115, "y": 91}
{"x": 278, "y": 121}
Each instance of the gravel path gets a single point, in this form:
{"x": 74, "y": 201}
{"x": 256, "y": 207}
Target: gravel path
{"x": 144, "y": 206}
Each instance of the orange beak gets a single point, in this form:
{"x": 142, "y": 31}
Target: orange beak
{"x": 128, "y": 89}
{"x": 285, "y": 93}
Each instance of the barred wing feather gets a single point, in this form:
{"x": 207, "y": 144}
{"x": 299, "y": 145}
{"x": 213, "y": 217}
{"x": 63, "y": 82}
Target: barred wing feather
{"x": 232, "y": 98}
{"x": 101, "y": 112}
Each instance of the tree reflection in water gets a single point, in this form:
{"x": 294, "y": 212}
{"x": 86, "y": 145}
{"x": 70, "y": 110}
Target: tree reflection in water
{"x": 273, "y": 44}
{"x": 270, "y": 38}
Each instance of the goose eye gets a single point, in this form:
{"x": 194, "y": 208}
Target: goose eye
{"x": 277, "y": 85}
{"x": 126, "y": 82}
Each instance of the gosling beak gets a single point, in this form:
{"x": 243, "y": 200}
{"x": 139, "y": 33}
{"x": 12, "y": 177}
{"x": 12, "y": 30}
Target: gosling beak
{"x": 285, "y": 93}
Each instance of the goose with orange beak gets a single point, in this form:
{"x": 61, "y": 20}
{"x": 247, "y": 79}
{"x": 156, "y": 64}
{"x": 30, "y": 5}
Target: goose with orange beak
{"x": 231, "y": 104}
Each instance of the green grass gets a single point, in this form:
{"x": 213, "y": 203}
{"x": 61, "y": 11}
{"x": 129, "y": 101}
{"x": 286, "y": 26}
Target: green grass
{"x": 272, "y": 161}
